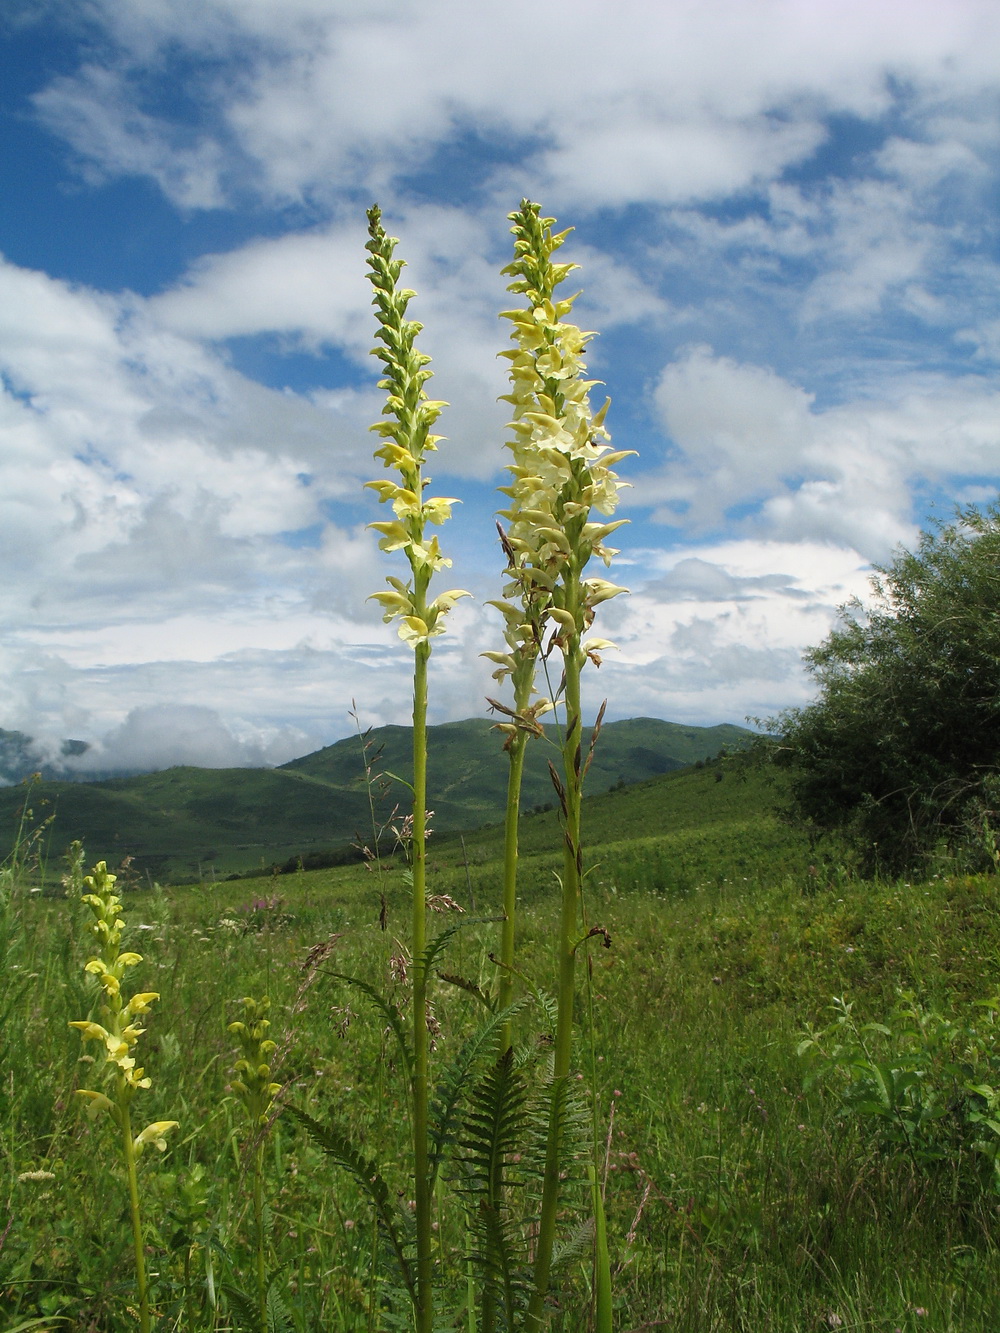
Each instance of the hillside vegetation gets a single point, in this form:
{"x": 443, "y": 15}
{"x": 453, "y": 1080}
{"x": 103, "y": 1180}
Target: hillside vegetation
{"x": 192, "y": 823}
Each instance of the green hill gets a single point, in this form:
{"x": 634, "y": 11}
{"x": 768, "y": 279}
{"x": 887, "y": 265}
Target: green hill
{"x": 468, "y": 777}
{"x": 187, "y": 823}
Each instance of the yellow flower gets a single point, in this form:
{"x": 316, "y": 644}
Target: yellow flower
{"x": 91, "y": 1031}
{"x": 154, "y": 1134}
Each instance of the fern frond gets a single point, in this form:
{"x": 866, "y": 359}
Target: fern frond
{"x": 430, "y": 955}
{"x": 505, "y": 1276}
{"x": 493, "y": 1131}
{"x": 576, "y": 1247}
{"x": 572, "y": 1121}
{"x": 279, "y": 1319}
{"x": 453, "y": 1083}
{"x": 389, "y": 1011}
{"x": 243, "y": 1308}
{"x": 338, "y": 1146}
{"x": 472, "y": 987}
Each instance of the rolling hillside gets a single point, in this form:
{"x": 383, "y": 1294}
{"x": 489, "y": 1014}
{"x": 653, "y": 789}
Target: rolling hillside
{"x": 187, "y": 823}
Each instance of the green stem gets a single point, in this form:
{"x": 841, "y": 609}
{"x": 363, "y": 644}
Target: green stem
{"x": 569, "y": 908}
{"x": 602, "y": 1258}
{"x": 258, "y": 1218}
{"x": 515, "y": 774}
{"x": 425, "y": 1268}
{"x": 131, "y": 1174}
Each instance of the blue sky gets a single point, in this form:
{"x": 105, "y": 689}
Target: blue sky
{"x": 785, "y": 218}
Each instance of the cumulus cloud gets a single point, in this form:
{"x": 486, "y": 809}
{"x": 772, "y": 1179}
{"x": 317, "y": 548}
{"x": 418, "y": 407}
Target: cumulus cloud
{"x": 709, "y": 107}
{"x": 719, "y": 636}
{"x": 753, "y": 446}
{"x": 786, "y": 234}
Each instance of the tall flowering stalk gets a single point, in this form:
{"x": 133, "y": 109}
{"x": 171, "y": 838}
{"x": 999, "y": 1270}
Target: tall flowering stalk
{"x": 561, "y": 474}
{"x": 252, "y": 1084}
{"x": 406, "y": 440}
{"x": 118, "y": 1034}
{"x": 526, "y": 617}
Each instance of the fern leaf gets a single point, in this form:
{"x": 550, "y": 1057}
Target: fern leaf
{"x": 437, "y": 945}
{"x": 243, "y": 1309}
{"x": 575, "y": 1248}
{"x": 451, "y": 1086}
{"x": 493, "y": 1131}
{"x": 494, "y": 1128}
{"x": 389, "y": 1011}
{"x": 279, "y": 1319}
{"x": 337, "y": 1145}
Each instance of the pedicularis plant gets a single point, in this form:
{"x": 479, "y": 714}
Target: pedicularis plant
{"x": 407, "y": 439}
{"x": 117, "y": 1035}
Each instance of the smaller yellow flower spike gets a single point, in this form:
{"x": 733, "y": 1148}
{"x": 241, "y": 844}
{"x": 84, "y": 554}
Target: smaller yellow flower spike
{"x": 252, "y": 1082}
{"x": 407, "y": 439}
{"x": 117, "y": 1032}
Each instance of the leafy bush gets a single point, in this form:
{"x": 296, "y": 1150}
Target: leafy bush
{"x": 926, "y": 1084}
{"x": 900, "y": 748}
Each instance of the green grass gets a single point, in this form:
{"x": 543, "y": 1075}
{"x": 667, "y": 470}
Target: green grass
{"x": 736, "y": 1200}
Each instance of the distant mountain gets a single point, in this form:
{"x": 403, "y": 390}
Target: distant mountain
{"x": 465, "y": 768}
{"x": 186, "y": 823}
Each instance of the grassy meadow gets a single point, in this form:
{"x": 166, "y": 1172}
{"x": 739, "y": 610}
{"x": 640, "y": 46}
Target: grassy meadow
{"x": 741, "y": 1194}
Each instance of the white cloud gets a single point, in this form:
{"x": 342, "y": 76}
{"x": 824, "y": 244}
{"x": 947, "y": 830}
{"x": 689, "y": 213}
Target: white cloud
{"x": 745, "y": 436}
{"x": 719, "y": 635}
{"x": 164, "y": 735}
{"x": 95, "y": 112}
{"x": 666, "y": 102}
{"x": 150, "y": 491}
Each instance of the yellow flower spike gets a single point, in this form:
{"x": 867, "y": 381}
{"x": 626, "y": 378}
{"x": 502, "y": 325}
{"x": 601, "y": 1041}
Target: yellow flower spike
{"x": 252, "y": 1083}
{"x": 405, "y": 431}
{"x": 561, "y": 475}
{"x": 119, "y": 1036}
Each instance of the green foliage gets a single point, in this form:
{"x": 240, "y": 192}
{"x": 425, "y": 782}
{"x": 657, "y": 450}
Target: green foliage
{"x": 338, "y": 1145}
{"x": 924, "y": 1080}
{"x": 735, "y": 1199}
{"x": 901, "y": 748}
{"x": 494, "y": 1132}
